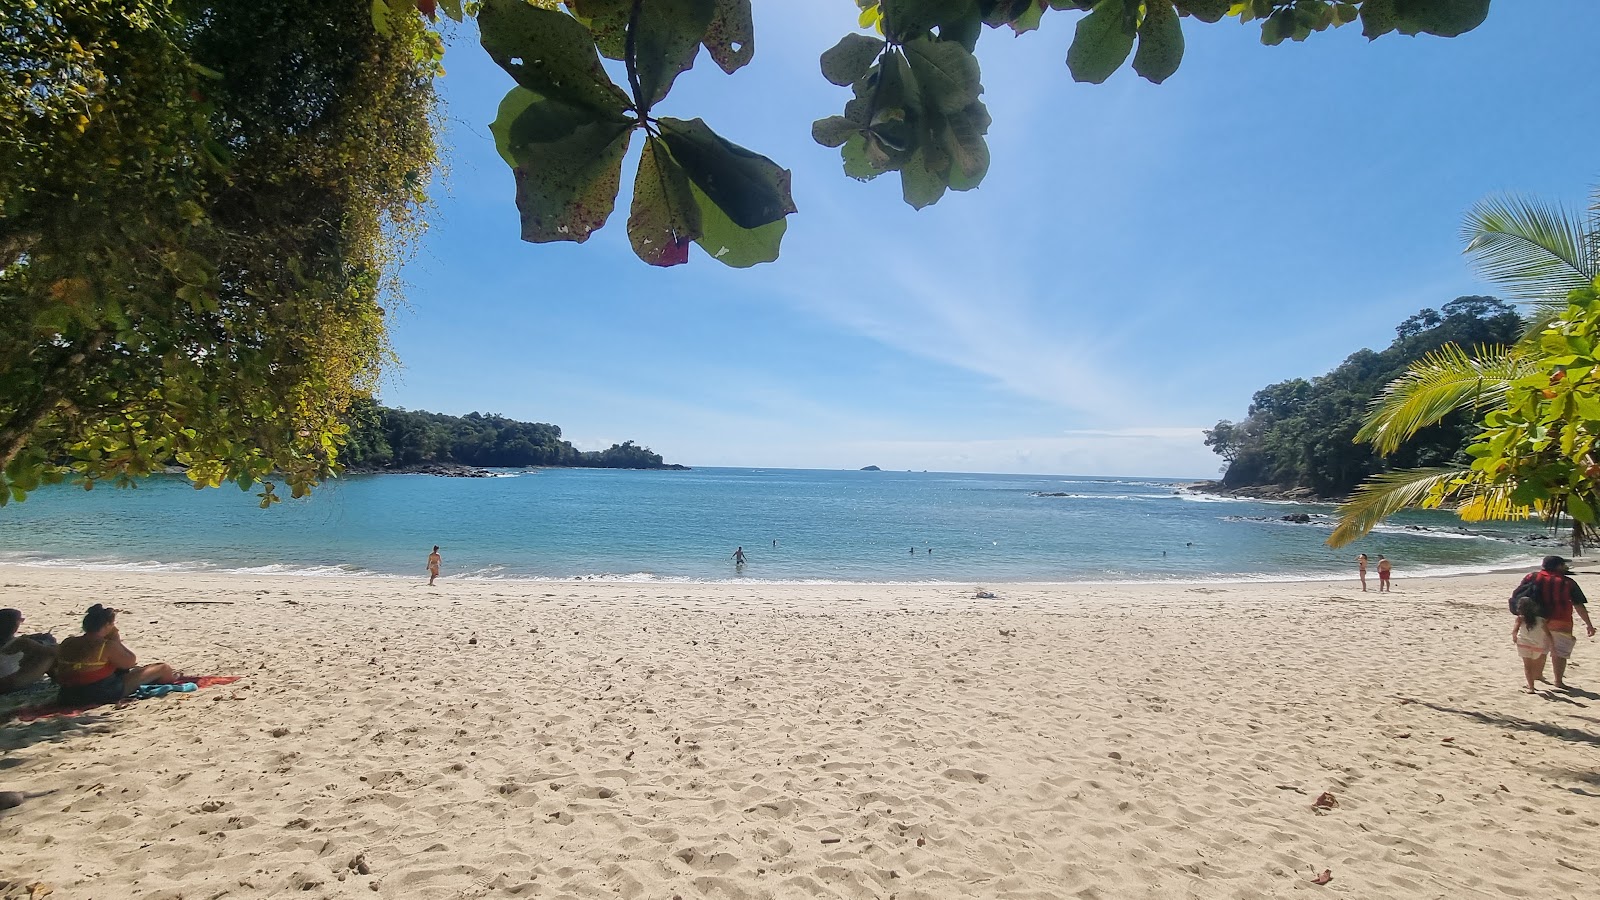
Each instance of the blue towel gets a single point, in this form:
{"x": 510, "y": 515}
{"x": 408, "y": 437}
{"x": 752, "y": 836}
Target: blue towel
{"x": 146, "y": 691}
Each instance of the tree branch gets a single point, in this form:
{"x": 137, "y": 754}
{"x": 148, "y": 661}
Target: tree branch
{"x": 16, "y": 431}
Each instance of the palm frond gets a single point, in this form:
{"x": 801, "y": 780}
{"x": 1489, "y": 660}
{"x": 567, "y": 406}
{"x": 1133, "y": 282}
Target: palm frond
{"x": 1439, "y": 383}
{"x": 1381, "y": 496}
{"x": 1534, "y": 250}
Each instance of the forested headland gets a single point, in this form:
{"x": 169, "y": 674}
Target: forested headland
{"x": 1298, "y": 436}
{"x": 383, "y": 438}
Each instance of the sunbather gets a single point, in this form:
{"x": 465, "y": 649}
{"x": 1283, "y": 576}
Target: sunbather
{"x": 96, "y": 667}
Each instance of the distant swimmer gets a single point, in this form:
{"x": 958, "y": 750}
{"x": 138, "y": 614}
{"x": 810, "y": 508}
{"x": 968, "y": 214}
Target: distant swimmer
{"x": 913, "y": 549}
{"x": 738, "y": 556}
{"x": 930, "y": 551}
{"x": 774, "y": 542}
{"x": 434, "y": 559}
{"x": 1189, "y": 544}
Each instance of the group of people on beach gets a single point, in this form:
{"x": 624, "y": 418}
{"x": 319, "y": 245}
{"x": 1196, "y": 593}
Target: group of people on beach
{"x": 1385, "y": 569}
{"x": 87, "y": 669}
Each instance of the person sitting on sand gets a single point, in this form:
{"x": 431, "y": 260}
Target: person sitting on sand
{"x": 1532, "y": 639}
{"x": 24, "y": 659}
{"x": 96, "y": 667}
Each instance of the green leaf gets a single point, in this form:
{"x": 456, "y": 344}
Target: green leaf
{"x": 666, "y": 39}
{"x": 963, "y": 142}
{"x": 568, "y": 164}
{"x": 857, "y": 163}
{"x": 380, "y": 18}
{"x": 731, "y": 39}
{"x": 1207, "y": 11}
{"x": 1160, "y": 43}
{"x": 1028, "y": 18}
{"x": 1345, "y": 13}
{"x": 920, "y": 182}
{"x": 549, "y": 53}
{"x": 904, "y": 20}
{"x": 1445, "y": 18}
{"x": 1102, "y": 42}
{"x": 730, "y": 244}
{"x": 945, "y": 72}
{"x": 847, "y": 61}
{"x": 749, "y": 188}
{"x": 1378, "y": 18}
{"x": 665, "y": 217}
{"x": 833, "y": 131}
{"x": 1579, "y": 509}
{"x": 607, "y": 21}
{"x": 1277, "y": 28}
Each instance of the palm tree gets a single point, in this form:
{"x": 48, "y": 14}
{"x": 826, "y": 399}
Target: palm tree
{"x": 1539, "y": 254}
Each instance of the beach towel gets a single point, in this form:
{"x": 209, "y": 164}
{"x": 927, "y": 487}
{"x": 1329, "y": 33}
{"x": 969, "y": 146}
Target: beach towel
{"x": 52, "y": 710}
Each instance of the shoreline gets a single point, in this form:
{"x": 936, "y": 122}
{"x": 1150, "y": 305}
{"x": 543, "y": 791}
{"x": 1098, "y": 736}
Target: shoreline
{"x": 1580, "y": 565}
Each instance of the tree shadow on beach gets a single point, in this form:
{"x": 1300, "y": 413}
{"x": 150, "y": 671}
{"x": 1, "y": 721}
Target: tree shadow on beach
{"x": 1591, "y": 779}
{"x": 15, "y": 735}
{"x": 1516, "y": 723}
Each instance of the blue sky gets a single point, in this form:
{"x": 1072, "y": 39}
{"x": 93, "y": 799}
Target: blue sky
{"x": 1138, "y": 262}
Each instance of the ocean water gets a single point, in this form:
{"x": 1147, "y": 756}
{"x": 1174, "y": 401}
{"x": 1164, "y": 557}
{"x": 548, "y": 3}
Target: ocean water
{"x": 794, "y": 525}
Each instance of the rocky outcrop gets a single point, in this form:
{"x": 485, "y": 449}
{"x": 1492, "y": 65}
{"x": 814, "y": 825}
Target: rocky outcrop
{"x": 871, "y": 469}
{"x": 1259, "y": 491}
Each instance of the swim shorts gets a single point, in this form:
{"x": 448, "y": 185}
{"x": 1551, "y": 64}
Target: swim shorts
{"x": 1561, "y": 643}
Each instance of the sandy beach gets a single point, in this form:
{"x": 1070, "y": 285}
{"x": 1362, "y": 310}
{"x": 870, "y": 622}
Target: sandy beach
{"x": 523, "y": 739}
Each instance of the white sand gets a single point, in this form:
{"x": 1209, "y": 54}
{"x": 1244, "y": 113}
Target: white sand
{"x": 736, "y": 741}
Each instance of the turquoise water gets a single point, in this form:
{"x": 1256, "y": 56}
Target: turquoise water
{"x": 828, "y": 525}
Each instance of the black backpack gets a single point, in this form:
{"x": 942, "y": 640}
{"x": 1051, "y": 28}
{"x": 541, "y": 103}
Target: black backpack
{"x": 1529, "y": 589}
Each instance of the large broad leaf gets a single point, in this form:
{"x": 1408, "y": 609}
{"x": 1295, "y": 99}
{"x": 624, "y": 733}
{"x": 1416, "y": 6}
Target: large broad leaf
{"x": 847, "y": 61}
{"x": 833, "y": 131}
{"x": 1102, "y": 42}
{"x": 922, "y": 182}
{"x": 607, "y": 21}
{"x": 749, "y": 188}
{"x": 1446, "y": 18}
{"x": 963, "y": 141}
{"x": 1205, "y": 10}
{"x": 732, "y": 245}
{"x": 666, "y": 39}
{"x": 731, "y": 39}
{"x": 904, "y": 20}
{"x": 1378, "y": 18}
{"x": 547, "y": 52}
{"x": 1160, "y": 42}
{"x": 946, "y": 73}
{"x": 567, "y": 160}
{"x": 665, "y": 218}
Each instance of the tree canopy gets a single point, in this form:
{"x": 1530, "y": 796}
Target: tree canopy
{"x": 1301, "y": 433}
{"x": 201, "y": 208}
{"x": 382, "y": 438}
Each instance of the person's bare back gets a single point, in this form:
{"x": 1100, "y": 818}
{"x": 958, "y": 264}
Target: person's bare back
{"x": 434, "y": 561}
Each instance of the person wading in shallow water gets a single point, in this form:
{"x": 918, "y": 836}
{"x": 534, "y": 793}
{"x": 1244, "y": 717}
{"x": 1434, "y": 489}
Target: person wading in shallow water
{"x": 738, "y": 556}
{"x": 434, "y": 559}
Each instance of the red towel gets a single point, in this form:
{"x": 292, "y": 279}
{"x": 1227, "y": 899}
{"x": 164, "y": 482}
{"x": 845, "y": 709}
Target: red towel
{"x": 53, "y": 710}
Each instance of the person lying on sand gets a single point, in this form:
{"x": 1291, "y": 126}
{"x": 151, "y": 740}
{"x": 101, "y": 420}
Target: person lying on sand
{"x": 24, "y": 659}
{"x": 96, "y": 667}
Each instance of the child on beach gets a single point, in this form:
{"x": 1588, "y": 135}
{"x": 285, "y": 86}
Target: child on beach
{"x": 1532, "y": 640}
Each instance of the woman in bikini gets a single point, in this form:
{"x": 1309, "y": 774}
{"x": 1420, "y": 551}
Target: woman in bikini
{"x": 96, "y": 667}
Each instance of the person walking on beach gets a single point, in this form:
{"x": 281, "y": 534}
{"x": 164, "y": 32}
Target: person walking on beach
{"x": 434, "y": 559}
{"x": 1530, "y": 635}
{"x": 1383, "y": 574}
{"x": 1361, "y": 568}
{"x": 738, "y": 556}
{"x": 1558, "y": 597}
